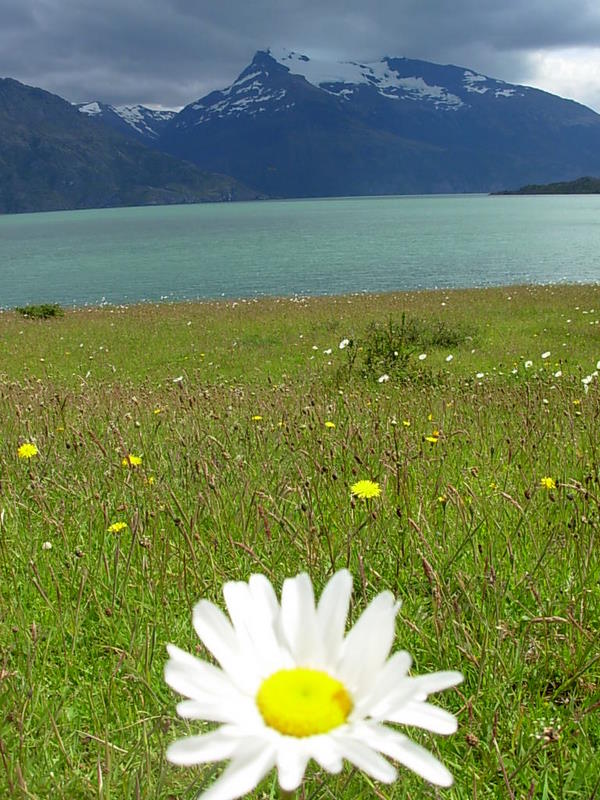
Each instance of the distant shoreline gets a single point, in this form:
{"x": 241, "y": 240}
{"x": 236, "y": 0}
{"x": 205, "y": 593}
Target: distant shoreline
{"x": 585, "y": 185}
{"x": 233, "y": 300}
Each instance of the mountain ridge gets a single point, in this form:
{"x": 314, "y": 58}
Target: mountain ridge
{"x": 293, "y": 126}
{"x": 53, "y": 158}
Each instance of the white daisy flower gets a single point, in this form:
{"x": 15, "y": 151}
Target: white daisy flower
{"x": 546, "y": 354}
{"x": 383, "y": 378}
{"x": 344, "y": 343}
{"x": 423, "y": 356}
{"x": 292, "y": 686}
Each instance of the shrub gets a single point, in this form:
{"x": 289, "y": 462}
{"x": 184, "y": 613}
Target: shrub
{"x": 41, "y": 311}
{"x": 390, "y": 349}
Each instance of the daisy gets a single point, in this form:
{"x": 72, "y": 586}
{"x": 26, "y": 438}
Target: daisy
{"x": 292, "y": 687}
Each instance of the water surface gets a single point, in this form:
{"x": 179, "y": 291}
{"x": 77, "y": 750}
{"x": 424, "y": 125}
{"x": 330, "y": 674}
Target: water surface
{"x": 320, "y": 246}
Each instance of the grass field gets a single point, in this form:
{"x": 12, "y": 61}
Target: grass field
{"x": 226, "y": 405}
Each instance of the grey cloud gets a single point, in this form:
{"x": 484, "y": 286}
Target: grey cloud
{"x": 170, "y": 52}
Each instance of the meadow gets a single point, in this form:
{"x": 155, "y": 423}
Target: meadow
{"x": 249, "y": 424}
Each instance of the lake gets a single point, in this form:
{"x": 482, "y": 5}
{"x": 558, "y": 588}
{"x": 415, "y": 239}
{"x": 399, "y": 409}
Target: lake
{"x": 305, "y": 247}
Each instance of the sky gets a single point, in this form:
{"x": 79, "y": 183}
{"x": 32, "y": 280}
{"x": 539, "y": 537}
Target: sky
{"x": 168, "y": 53}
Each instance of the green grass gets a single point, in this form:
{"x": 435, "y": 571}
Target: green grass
{"x": 499, "y": 577}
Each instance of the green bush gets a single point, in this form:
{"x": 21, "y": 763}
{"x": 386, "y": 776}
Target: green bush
{"x": 390, "y": 348}
{"x": 41, "y": 311}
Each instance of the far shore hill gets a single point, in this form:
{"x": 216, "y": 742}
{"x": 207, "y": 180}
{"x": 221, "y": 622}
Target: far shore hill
{"x": 586, "y": 185}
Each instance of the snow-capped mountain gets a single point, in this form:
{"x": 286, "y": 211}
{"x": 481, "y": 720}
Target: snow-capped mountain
{"x": 291, "y": 125}
{"x": 138, "y": 121}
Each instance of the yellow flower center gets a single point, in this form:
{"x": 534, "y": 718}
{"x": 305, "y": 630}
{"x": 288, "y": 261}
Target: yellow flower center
{"x": 303, "y": 702}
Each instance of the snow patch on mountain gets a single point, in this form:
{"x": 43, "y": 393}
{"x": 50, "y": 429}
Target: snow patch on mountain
{"x": 92, "y": 109}
{"x": 334, "y": 77}
{"x": 141, "y": 118}
{"x": 473, "y": 82}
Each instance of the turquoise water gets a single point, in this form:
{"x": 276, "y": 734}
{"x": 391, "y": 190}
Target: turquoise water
{"x": 322, "y": 246}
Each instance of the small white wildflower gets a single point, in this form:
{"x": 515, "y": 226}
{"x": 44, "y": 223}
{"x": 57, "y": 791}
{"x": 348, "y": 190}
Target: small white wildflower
{"x": 328, "y": 351}
{"x": 47, "y": 546}
{"x": 558, "y": 373}
{"x": 479, "y": 375}
{"x": 423, "y": 356}
{"x": 528, "y": 364}
{"x": 449, "y": 358}
{"x": 546, "y": 354}
{"x": 344, "y": 343}
{"x": 383, "y": 378}
{"x": 178, "y": 379}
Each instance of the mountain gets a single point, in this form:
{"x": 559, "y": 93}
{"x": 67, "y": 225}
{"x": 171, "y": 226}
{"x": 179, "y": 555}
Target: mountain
{"x": 53, "y": 157}
{"x": 293, "y": 126}
{"x": 585, "y": 185}
{"x": 140, "y": 122}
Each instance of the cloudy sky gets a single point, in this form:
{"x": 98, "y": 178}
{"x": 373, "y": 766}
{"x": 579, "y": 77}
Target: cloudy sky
{"x": 170, "y": 52}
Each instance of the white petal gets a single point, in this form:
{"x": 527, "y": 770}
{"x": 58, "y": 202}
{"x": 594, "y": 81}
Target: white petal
{"x": 391, "y": 679}
{"x": 409, "y": 690}
{"x": 249, "y": 766}
{"x": 264, "y": 594}
{"x": 436, "y": 682}
{"x": 236, "y": 709}
{"x": 366, "y": 759}
{"x": 217, "y": 633}
{"x": 213, "y": 746}
{"x": 406, "y": 752}
{"x": 254, "y": 612}
{"x": 299, "y": 620}
{"x": 332, "y": 613}
{"x": 426, "y": 716}
{"x": 292, "y": 759}
{"x": 194, "y": 678}
{"x": 367, "y": 645}
{"x": 326, "y": 753}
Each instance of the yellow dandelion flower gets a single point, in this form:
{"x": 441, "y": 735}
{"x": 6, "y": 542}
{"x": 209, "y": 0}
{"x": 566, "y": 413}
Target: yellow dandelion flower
{"x": 151, "y": 480}
{"x": 548, "y": 483}
{"x": 117, "y": 527}
{"x": 365, "y": 489}
{"x": 442, "y": 499}
{"x": 493, "y": 485}
{"x": 256, "y": 418}
{"x": 27, "y": 450}
{"x": 158, "y": 410}
{"x": 576, "y": 402}
{"x": 131, "y": 460}
{"x": 433, "y": 439}
{"x": 329, "y": 424}
{"x": 406, "y": 423}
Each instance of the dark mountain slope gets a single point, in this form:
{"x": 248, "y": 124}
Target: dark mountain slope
{"x": 52, "y": 157}
{"x": 292, "y": 126}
